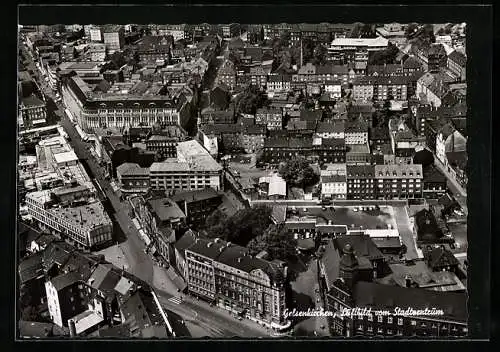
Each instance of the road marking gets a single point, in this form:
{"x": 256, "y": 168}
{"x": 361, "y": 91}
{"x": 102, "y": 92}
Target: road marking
{"x": 175, "y": 300}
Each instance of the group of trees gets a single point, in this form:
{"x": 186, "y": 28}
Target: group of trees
{"x": 298, "y": 172}
{"x": 289, "y": 55}
{"x": 250, "y": 100}
{"x": 420, "y": 33}
{"x": 381, "y": 57}
{"x": 253, "y": 228}
{"x": 276, "y": 242}
{"x": 362, "y": 30}
{"x": 240, "y": 228}
{"x": 382, "y": 116}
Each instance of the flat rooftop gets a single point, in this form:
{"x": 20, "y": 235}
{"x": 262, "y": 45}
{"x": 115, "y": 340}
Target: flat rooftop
{"x": 371, "y": 219}
{"x": 65, "y": 157}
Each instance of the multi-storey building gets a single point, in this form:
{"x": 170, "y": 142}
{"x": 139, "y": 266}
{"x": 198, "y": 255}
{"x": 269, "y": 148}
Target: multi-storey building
{"x": 227, "y": 275}
{"x": 193, "y": 169}
{"x": 380, "y": 88}
{"x": 253, "y": 138}
{"x": 132, "y": 178}
{"x": 457, "y": 65}
{"x": 152, "y": 48}
{"x": 361, "y": 182}
{"x": 114, "y": 109}
{"x": 334, "y": 186}
{"x": 97, "y": 52}
{"x": 434, "y": 183}
{"x": 33, "y": 111}
{"x": 344, "y": 49}
{"x": 334, "y": 129}
{"x": 432, "y": 88}
{"x": 165, "y": 146}
{"x": 399, "y": 181}
{"x": 279, "y": 149}
{"x": 358, "y": 154}
{"x": 95, "y": 34}
{"x": 271, "y": 118}
{"x": 114, "y": 38}
{"x": 73, "y": 214}
{"x": 278, "y": 83}
{"x": 197, "y": 205}
{"x": 330, "y": 150}
{"x": 258, "y": 76}
{"x": 356, "y": 132}
{"x": 87, "y": 295}
{"x": 227, "y": 75}
{"x": 230, "y": 30}
{"x": 348, "y": 288}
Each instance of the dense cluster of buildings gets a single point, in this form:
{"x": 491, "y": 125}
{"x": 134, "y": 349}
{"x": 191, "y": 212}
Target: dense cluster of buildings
{"x": 87, "y": 296}
{"x": 61, "y": 197}
{"x": 163, "y": 107}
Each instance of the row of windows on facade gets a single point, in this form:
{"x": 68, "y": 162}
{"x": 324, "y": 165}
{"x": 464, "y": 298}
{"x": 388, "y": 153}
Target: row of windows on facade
{"x": 73, "y": 232}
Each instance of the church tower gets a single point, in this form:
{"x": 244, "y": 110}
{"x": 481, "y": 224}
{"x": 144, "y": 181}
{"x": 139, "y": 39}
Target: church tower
{"x": 348, "y": 270}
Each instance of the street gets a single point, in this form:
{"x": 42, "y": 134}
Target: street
{"x": 456, "y": 189}
{"x": 405, "y": 232}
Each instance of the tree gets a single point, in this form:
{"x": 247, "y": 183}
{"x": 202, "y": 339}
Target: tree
{"x": 276, "y": 241}
{"x": 410, "y": 30}
{"x": 362, "y": 30}
{"x": 386, "y": 56}
{"x": 214, "y": 223}
{"x": 242, "y": 227}
{"x": 250, "y": 100}
{"x": 319, "y": 54}
{"x": 298, "y": 172}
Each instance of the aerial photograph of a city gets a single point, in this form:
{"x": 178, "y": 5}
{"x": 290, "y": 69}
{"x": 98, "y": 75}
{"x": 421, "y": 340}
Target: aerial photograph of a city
{"x": 280, "y": 180}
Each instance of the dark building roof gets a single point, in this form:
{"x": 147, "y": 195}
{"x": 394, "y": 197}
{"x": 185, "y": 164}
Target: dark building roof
{"x": 195, "y": 196}
{"x": 30, "y": 267}
{"x": 35, "y": 329}
{"x": 330, "y": 127}
{"x": 458, "y": 57}
{"x": 379, "y": 133}
{"x": 356, "y": 126}
{"x": 165, "y": 209}
{"x": 116, "y": 331}
{"x": 332, "y": 142}
{"x": 383, "y": 69}
{"x": 387, "y": 297}
{"x": 255, "y": 129}
{"x": 207, "y": 248}
{"x": 439, "y": 257}
{"x": 433, "y": 175}
{"x": 255, "y": 53}
{"x": 427, "y": 227}
{"x": 32, "y": 101}
{"x": 381, "y": 80}
{"x": 308, "y": 115}
{"x": 412, "y": 63}
{"x": 360, "y": 171}
{"x": 65, "y": 280}
{"x": 280, "y": 142}
{"x": 185, "y": 242}
{"x": 457, "y": 159}
{"x": 362, "y": 245}
{"x": 222, "y": 128}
